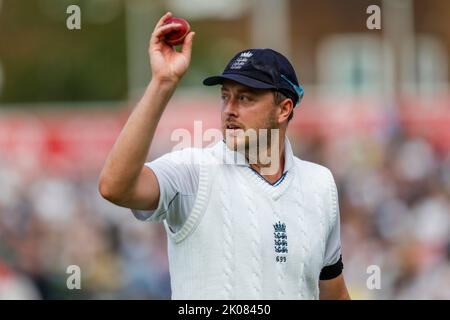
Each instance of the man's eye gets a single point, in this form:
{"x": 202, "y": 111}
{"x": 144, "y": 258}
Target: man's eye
{"x": 224, "y": 97}
{"x": 244, "y": 98}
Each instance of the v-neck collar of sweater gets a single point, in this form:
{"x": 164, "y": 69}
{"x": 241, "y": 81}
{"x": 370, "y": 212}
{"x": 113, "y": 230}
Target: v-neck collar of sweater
{"x": 275, "y": 190}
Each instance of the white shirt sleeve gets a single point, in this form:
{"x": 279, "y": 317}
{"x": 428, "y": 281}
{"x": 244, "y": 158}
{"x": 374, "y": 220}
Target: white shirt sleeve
{"x": 333, "y": 244}
{"x": 178, "y": 177}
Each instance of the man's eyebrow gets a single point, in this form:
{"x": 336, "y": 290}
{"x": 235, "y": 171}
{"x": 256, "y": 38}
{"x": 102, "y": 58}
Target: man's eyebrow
{"x": 244, "y": 90}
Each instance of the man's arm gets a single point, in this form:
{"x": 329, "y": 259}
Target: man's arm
{"x": 124, "y": 179}
{"x": 333, "y": 289}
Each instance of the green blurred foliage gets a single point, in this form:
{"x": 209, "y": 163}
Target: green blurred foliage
{"x": 42, "y": 60}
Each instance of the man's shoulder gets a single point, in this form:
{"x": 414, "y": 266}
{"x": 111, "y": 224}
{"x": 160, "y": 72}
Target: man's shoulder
{"x": 312, "y": 169}
{"x": 317, "y": 180}
{"x": 185, "y": 155}
{"x": 191, "y": 155}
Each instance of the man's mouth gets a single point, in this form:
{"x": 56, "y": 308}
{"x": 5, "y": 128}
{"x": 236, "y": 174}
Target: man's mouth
{"x": 233, "y": 127}
{"x": 233, "y": 130}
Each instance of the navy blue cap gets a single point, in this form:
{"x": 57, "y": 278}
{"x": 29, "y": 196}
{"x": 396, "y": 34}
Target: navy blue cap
{"x": 261, "y": 69}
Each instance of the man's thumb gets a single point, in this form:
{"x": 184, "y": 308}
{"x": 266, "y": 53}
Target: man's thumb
{"x": 187, "y": 45}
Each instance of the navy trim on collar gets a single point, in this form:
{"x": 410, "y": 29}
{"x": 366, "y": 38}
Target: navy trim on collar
{"x": 276, "y": 183}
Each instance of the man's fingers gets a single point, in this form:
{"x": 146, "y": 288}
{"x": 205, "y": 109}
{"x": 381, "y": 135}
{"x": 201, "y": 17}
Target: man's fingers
{"x": 163, "y": 19}
{"x": 187, "y": 45}
{"x": 160, "y": 32}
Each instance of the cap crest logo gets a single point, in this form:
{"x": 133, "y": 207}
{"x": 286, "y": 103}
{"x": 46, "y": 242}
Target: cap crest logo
{"x": 241, "y": 60}
{"x": 246, "y": 54}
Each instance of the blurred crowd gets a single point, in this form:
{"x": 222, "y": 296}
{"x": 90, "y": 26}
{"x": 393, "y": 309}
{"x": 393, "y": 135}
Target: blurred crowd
{"x": 394, "y": 196}
{"x": 49, "y": 223}
{"x": 394, "y": 193}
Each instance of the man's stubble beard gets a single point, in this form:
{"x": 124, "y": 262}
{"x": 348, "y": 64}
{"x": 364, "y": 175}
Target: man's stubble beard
{"x": 245, "y": 145}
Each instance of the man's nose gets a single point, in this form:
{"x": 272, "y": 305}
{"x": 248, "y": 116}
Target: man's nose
{"x": 230, "y": 108}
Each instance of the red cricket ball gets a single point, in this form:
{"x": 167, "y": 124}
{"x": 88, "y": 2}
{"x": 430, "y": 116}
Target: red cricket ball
{"x": 176, "y": 37}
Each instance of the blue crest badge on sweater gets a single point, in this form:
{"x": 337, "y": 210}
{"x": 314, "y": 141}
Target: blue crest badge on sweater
{"x": 281, "y": 244}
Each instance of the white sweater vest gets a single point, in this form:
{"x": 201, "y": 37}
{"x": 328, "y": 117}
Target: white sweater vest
{"x": 246, "y": 239}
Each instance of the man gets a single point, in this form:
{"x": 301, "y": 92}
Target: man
{"x": 237, "y": 229}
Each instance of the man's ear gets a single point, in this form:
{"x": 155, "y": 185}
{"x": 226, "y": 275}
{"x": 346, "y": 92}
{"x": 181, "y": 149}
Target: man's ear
{"x": 286, "y": 108}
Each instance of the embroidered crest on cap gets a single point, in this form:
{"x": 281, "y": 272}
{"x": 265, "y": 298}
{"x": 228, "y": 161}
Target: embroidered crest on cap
{"x": 241, "y": 60}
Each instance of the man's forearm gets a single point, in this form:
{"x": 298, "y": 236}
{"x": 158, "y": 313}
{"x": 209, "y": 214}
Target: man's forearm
{"x": 334, "y": 289}
{"x": 130, "y": 150}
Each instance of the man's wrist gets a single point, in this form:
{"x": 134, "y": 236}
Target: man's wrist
{"x": 164, "y": 82}
{"x": 158, "y": 93}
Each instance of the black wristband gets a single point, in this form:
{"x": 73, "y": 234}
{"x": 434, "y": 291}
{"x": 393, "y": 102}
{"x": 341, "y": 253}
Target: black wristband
{"x": 331, "y": 272}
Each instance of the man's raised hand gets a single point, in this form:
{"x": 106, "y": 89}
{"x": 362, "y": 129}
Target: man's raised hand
{"x": 166, "y": 63}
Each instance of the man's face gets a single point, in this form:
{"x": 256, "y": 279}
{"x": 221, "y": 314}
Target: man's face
{"x": 244, "y": 112}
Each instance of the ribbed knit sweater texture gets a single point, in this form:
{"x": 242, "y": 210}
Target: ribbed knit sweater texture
{"x": 246, "y": 239}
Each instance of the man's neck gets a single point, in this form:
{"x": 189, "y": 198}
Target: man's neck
{"x": 278, "y": 163}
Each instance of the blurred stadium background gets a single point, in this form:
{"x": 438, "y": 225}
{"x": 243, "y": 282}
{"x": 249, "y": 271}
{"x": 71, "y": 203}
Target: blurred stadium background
{"x": 376, "y": 111}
